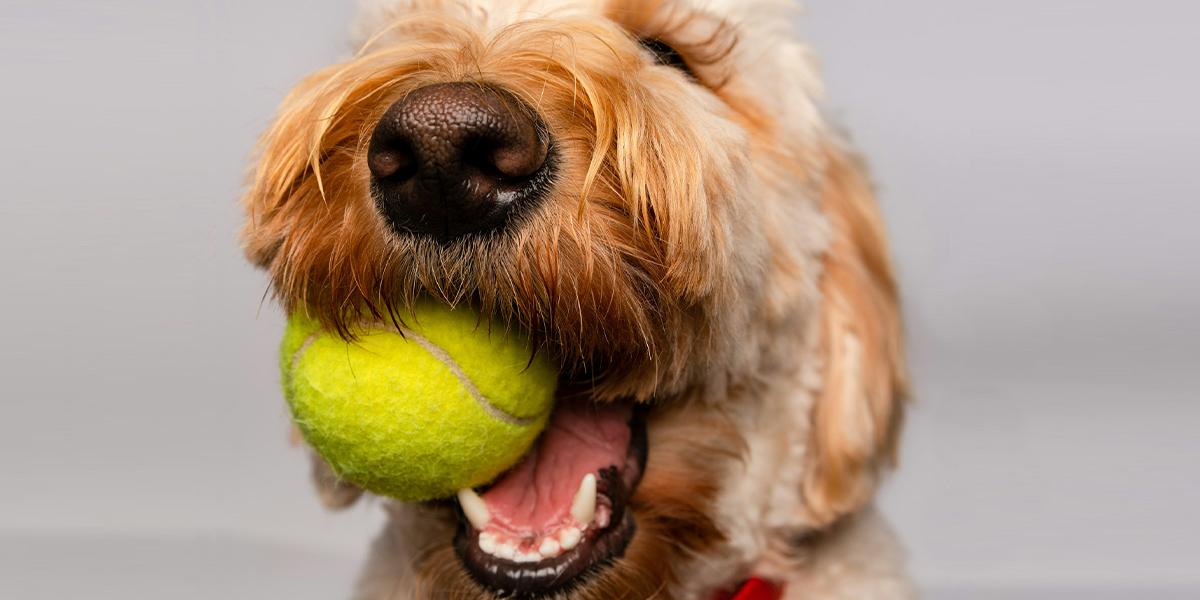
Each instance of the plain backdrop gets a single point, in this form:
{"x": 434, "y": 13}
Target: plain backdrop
{"x": 1038, "y": 163}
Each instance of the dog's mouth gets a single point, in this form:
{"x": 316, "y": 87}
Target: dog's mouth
{"x": 562, "y": 512}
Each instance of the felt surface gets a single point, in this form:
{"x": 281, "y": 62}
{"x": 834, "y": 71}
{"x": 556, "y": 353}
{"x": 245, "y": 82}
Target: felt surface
{"x": 391, "y": 417}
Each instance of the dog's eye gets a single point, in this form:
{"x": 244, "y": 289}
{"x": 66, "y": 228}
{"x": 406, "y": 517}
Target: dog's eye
{"x": 665, "y": 54}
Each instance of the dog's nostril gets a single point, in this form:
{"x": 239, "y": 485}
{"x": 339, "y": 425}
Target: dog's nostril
{"x": 518, "y": 160}
{"x": 456, "y": 158}
{"x": 397, "y": 162}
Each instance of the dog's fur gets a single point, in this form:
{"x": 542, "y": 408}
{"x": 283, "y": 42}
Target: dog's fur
{"x": 710, "y": 247}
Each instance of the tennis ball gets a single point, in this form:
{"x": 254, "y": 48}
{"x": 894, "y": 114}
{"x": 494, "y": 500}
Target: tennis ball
{"x": 448, "y": 402}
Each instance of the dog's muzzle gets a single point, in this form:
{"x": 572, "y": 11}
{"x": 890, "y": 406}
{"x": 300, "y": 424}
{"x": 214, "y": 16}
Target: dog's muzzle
{"x": 453, "y": 159}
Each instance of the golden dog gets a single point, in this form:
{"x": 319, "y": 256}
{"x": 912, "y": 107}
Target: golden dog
{"x": 650, "y": 189}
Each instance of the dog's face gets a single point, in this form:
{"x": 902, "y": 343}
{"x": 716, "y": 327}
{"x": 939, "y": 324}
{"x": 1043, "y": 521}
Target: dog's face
{"x": 647, "y": 188}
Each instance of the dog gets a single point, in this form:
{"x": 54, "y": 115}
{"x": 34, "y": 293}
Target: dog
{"x": 648, "y": 187}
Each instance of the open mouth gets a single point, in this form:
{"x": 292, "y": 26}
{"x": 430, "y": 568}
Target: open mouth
{"x": 563, "y": 510}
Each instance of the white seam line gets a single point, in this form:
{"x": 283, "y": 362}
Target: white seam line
{"x": 290, "y": 377}
{"x": 440, "y": 353}
{"x": 308, "y": 341}
{"x": 444, "y": 357}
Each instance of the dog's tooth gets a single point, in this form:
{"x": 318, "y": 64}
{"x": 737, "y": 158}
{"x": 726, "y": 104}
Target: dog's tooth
{"x": 569, "y": 538}
{"x": 474, "y": 507}
{"x": 549, "y": 548}
{"x": 603, "y": 514}
{"x": 583, "y": 506}
{"x": 506, "y": 550}
{"x": 528, "y": 557}
{"x": 487, "y": 542}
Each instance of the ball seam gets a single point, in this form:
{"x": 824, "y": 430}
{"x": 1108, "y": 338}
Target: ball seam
{"x": 440, "y": 354}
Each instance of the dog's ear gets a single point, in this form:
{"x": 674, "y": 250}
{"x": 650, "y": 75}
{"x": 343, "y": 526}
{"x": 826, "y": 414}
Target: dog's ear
{"x": 858, "y": 410}
{"x": 283, "y": 160}
{"x": 334, "y": 492}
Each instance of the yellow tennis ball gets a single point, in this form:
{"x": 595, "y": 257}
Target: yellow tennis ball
{"x": 451, "y": 403}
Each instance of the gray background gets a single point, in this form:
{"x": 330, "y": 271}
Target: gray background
{"x": 1037, "y": 161}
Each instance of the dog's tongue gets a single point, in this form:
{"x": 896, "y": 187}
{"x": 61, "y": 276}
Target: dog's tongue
{"x": 536, "y": 495}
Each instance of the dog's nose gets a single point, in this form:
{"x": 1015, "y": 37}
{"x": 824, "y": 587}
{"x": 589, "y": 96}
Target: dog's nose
{"x": 456, "y": 158}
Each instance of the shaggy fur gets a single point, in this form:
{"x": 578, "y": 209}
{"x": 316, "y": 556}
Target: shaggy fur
{"x": 709, "y": 247}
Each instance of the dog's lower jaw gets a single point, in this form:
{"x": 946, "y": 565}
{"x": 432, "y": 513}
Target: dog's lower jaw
{"x": 860, "y": 558}
{"x": 761, "y": 527}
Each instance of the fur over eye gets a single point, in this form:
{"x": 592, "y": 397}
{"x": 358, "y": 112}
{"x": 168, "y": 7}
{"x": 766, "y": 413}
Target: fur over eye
{"x": 666, "y": 54}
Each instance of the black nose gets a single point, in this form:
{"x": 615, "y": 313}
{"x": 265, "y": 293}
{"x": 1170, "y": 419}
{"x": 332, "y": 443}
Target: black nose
{"x": 457, "y": 158}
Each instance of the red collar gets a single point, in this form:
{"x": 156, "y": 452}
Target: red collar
{"x": 753, "y": 589}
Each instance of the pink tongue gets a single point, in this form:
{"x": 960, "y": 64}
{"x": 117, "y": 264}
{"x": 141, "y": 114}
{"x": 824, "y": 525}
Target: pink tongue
{"x": 535, "y": 496}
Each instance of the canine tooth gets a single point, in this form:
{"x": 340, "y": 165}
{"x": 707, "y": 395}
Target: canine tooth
{"x": 506, "y": 550}
{"x": 528, "y": 557}
{"x": 569, "y": 537}
{"x": 583, "y": 507}
{"x": 549, "y": 548}
{"x": 474, "y": 507}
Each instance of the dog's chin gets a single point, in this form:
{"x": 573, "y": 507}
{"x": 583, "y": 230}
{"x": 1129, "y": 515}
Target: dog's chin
{"x": 562, "y": 513}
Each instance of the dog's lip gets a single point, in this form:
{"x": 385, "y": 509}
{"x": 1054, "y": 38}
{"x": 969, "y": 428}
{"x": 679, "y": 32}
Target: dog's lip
{"x": 597, "y": 546}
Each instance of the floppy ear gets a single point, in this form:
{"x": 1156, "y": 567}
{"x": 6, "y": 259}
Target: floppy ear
{"x": 858, "y": 411}
{"x": 333, "y": 491}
